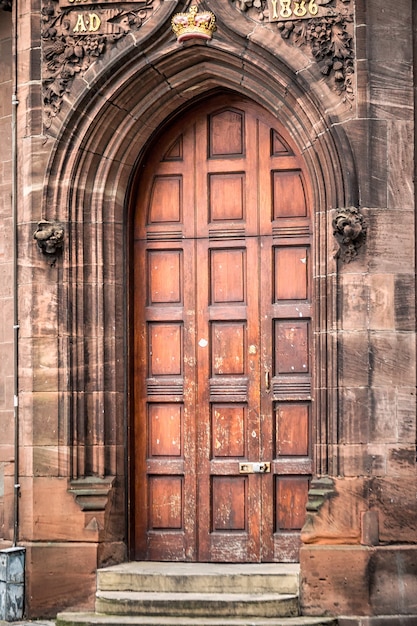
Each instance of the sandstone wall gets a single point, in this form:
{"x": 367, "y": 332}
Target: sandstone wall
{"x": 73, "y": 356}
{"x": 373, "y": 504}
{"x": 6, "y": 264}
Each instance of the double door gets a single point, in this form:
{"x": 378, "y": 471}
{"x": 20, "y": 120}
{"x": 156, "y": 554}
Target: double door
{"x": 222, "y": 378}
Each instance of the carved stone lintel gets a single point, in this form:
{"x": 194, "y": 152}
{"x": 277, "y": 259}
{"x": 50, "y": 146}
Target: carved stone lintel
{"x": 91, "y": 493}
{"x": 50, "y": 239}
{"x": 349, "y": 230}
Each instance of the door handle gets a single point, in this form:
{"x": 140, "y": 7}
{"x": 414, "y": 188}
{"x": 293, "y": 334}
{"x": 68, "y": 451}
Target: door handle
{"x": 267, "y": 381}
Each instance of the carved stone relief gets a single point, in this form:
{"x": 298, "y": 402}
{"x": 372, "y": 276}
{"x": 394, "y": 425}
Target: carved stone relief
{"x": 349, "y": 230}
{"x": 77, "y": 32}
{"x": 50, "y": 239}
{"x": 325, "y": 26}
{"x": 74, "y": 35}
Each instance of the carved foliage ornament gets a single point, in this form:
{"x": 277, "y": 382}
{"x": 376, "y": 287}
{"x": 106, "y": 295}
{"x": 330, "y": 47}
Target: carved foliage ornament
{"x": 349, "y": 230}
{"x": 325, "y": 26}
{"x": 74, "y": 34}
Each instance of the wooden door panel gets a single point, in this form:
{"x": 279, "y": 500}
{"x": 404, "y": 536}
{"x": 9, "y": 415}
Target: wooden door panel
{"x": 223, "y": 189}
{"x": 288, "y": 194}
{"x": 229, "y": 321}
{"x": 164, "y": 481}
{"x": 166, "y": 200}
{"x": 290, "y": 497}
{"x": 165, "y": 189}
{"x": 279, "y": 146}
{"x": 228, "y": 427}
{"x": 228, "y": 276}
{"x": 228, "y": 348}
{"x": 226, "y": 197}
{"x": 291, "y": 500}
{"x": 165, "y": 349}
{"x": 175, "y": 151}
{"x": 165, "y": 430}
{"x": 292, "y": 347}
{"x": 229, "y": 503}
{"x": 285, "y": 319}
{"x": 292, "y": 429}
{"x": 226, "y": 131}
{"x": 291, "y": 270}
{"x": 222, "y": 341}
{"x": 165, "y": 280}
{"x": 166, "y": 502}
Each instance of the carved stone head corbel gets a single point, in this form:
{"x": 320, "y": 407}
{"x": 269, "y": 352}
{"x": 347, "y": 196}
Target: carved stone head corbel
{"x": 50, "y": 239}
{"x": 349, "y": 230}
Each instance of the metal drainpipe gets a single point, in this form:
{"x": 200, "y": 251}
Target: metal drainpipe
{"x": 15, "y": 103}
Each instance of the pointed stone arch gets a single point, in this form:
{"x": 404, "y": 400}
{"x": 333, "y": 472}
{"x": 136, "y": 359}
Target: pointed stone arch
{"x": 117, "y": 114}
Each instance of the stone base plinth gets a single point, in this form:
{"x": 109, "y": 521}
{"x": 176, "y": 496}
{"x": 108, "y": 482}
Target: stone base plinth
{"x": 379, "y": 620}
{"x": 359, "y": 580}
{"x": 59, "y": 575}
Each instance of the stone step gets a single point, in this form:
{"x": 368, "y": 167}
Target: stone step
{"x": 200, "y": 577}
{"x": 94, "y": 619}
{"x": 196, "y": 604}
{"x": 196, "y": 594}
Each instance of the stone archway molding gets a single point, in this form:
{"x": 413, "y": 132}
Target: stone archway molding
{"x": 116, "y": 115}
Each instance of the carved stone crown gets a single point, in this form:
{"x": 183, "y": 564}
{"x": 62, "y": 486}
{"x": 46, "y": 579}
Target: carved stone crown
{"x": 194, "y": 25}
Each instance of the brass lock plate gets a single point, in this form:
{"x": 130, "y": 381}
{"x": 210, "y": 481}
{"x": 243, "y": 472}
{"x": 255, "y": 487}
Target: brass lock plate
{"x": 264, "y": 467}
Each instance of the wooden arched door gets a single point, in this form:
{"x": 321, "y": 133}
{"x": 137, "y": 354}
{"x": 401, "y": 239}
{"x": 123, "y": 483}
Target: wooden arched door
{"x": 222, "y": 377}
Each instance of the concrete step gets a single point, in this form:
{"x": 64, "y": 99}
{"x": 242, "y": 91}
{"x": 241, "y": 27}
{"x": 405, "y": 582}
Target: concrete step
{"x": 94, "y": 619}
{"x": 196, "y": 604}
{"x": 200, "y": 577}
